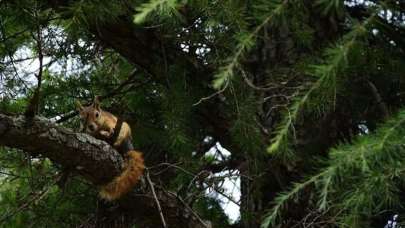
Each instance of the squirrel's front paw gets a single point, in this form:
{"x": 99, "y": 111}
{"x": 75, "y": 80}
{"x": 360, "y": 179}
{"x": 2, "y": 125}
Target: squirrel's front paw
{"x": 105, "y": 133}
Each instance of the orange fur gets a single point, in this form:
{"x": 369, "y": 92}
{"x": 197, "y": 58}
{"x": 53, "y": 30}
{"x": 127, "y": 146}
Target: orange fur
{"x": 123, "y": 183}
{"x": 101, "y": 125}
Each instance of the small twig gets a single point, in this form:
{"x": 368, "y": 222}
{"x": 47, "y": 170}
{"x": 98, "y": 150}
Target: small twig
{"x": 12, "y": 174}
{"x": 189, "y": 208}
{"x": 287, "y": 98}
{"x": 18, "y": 60}
{"x": 275, "y": 107}
{"x": 172, "y": 166}
{"x": 65, "y": 117}
{"x": 154, "y": 26}
{"x": 33, "y": 105}
{"x": 156, "y": 199}
{"x": 129, "y": 80}
{"x": 380, "y": 103}
{"x": 195, "y": 176}
{"x": 163, "y": 164}
{"x": 253, "y": 86}
{"x": 4, "y": 39}
{"x": 212, "y": 95}
{"x": 224, "y": 195}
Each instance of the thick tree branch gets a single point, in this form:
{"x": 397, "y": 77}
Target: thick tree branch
{"x": 93, "y": 159}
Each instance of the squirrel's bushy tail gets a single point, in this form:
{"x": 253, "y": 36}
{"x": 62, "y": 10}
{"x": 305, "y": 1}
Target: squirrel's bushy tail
{"x": 123, "y": 183}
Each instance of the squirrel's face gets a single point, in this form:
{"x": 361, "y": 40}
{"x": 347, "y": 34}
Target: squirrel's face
{"x": 90, "y": 117}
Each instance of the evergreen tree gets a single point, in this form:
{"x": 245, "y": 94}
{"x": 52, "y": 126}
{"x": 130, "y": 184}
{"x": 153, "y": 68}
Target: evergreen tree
{"x": 306, "y": 95}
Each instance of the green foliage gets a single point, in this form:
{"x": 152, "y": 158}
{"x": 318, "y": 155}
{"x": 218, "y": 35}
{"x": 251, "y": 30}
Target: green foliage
{"x": 330, "y": 7}
{"x": 176, "y": 120}
{"x": 244, "y": 131}
{"x": 29, "y": 194}
{"x": 100, "y": 11}
{"x": 321, "y": 95}
{"x": 306, "y": 90}
{"x": 361, "y": 178}
{"x": 164, "y": 8}
{"x": 16, "y": 106}
{"x": 246, "y": 41}
{"x": 211, "y": 210}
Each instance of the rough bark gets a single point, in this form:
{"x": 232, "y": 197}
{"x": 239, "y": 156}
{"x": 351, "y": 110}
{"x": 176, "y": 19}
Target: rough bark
{"x": 96, "y": 161}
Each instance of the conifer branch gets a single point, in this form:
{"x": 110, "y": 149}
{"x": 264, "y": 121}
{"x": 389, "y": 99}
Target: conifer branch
{"x": 246, "y": 42}
{"x": 356, "y": 158}
{"x": 162, "y": 6}
{"x": 322, "y": 89}
{"x": 282, "y": 199}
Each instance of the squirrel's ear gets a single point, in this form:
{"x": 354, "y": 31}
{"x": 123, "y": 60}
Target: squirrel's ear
{"x": 79, "y": 106}
{"x": 96, "y": 102}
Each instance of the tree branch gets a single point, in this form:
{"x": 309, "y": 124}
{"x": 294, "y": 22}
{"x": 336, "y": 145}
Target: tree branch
{"x": 379, "y": 101}
{"x": 93, "y": 159}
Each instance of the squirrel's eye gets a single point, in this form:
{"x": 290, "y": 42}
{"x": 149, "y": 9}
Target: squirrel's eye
{"x": 97, "y": 114}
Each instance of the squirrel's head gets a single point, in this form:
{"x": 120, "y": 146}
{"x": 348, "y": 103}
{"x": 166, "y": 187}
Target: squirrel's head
{"x": 90, "y": 116}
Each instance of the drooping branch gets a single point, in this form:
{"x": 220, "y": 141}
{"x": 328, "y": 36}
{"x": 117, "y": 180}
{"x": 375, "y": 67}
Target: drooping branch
{"x": 93, "y": 159}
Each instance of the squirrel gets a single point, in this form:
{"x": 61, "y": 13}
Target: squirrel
{"x": 101, "y": 124}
